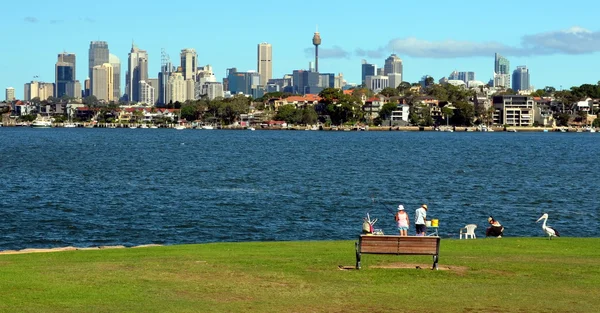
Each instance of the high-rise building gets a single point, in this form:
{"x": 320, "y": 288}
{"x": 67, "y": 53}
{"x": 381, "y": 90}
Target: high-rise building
{"x": 395, "y": 79}
{"x": 102, "y": 82}
{"x": 377, "y": 83}
{"x": 166, "y": 68}
{"x": 36, "y": 89}
{"x": 189, "y": 62}
{"x": 393, "y": 65}
{"x": 520, "y": 79}
{"x": 264, "y": 63}
{"x": 212, "y": 90}
{"x": 137, "y": 70}
{"x": 10, "y": 94}
{"x": 116, "y": 64}
{"x": 242, "y": 82}
{"x": 466, "y": 76}
{"x": 98, "y": 55}
{"x": 154, "y": 83}
{"x": 65, "y": 72}
{"x": 176, "y": 88}
{"x": 367, "y": 70}
{"x": 502, "y": 67}
{"x": 146, "y": 92}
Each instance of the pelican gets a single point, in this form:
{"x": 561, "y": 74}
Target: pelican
{"x": 551, "y": 232}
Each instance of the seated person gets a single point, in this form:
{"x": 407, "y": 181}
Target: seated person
{"x": 495, "y": 229}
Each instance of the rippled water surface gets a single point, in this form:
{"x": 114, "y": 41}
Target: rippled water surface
{"x": 91, "y": 187}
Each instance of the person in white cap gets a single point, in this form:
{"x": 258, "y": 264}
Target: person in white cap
{"x": 421, "y": 220}
{"x": 402, "y": 220}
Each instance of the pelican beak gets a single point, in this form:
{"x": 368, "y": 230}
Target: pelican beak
{"x": 539, "y": 219}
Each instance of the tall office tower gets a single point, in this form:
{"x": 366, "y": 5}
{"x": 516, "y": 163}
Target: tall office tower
{"x": 65, "y": 72}
{"x": 367, "y": 70}
{"x": 146, "y": 92}
{"x": 137, "y": 71}
{"x": 116, "y": 64}
{"x": 205, "y": 74}
{"x": 177, "y": 88}
{"x": 339, "y": 81}
{"x": 264, "y": 63}
{"x": 10, "y": 94}
{"x": 166, "y": 68}
{"x": 466, "y": 76}
{"x": 395, "y": 79}
{"x": 102, "y": 82}
{"x": 69, "y": 58}
{"x": 316, "y": 41}
{"x": 189, "y": 62}
{"x": 393, "y": 65}
{"x": 520, "y": 79}
{"x": 453, "y": 75}
{"x": 98, "y": 55}
{"x": 87, "y": 87}
{"x": 30, "y": 90}
{"x": 502, "y": 67}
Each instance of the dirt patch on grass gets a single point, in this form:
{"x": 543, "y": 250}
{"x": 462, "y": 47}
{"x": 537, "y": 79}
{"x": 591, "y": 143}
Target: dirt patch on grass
{"x": 30, "y": 250}
{"x": 400, "y": 265}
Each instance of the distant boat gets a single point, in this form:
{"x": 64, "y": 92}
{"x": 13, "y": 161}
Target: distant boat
{"x": 143, "y": 126}
{"x": 179, "y": 127}
{"x": 133, "y": 126}
{"x": 41, "y": 123}
{"x": 69, "y": 125}
{"x": 251, "y": 128}
{"x": 207, "y": 127}
{"x": 153, "y": 126}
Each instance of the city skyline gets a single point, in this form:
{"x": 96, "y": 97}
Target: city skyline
{"x": 560, "y": 54}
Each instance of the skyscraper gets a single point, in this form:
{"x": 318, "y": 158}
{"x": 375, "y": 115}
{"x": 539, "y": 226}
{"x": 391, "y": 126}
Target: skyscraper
{"x": 137, "y": 70}
{"x": 65, "y": 72}
{"x": 520, "y": 78}
{"x": 166, "y": 68}
{"x": 502, "y": 68}
{"x": 264, "y": 63}
{"x": 102, "y": 82}
{"x": 393, "y": 65}
{"x": 116, "y": 64}
{"x": 98, "y": 55}
{"x": 466, "y": 76}
{"x": 10, "y": 94}
{"x": 367, "y": 70}
{"x": 189, "y": 62}
{"x": 316, "y": 41}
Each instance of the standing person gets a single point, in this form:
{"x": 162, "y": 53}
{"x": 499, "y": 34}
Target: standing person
{"x": 402, "y": 220}
{"x": 420, "y": 220}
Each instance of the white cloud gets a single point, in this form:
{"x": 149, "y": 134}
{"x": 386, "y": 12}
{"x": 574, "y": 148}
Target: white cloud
{"x": 575, "y": 40}
{"x": 31, "y": 19}
{"x": 335, "y": 52}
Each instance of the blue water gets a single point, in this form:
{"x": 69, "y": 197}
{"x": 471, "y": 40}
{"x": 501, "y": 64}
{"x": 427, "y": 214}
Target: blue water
{"x": 93, "y": 187}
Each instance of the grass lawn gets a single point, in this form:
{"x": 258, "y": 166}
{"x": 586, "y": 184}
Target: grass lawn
{"x": 483, "y": 275}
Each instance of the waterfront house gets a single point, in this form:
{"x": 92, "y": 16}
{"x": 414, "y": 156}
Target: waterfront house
{"x": 513, "y": 110}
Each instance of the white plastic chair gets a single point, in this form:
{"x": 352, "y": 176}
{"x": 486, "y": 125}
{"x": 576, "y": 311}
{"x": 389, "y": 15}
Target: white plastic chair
{"x": 468, "y": 230}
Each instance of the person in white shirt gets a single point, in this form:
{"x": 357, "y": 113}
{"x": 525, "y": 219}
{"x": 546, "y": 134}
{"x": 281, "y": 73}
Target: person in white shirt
{"x": 420, "y": 220}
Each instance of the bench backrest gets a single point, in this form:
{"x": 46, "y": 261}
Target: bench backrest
{"x": 417, "y": 245}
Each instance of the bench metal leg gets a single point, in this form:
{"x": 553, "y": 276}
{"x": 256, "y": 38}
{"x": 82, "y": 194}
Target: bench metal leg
{"x": 357, "y": 256}
{"x": 435, "y": 263}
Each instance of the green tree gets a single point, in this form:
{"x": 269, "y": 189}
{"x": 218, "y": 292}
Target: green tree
{"x": 188, "y": 112}
{"x": 448, "y": 112}
{"x": 286, "y": 113}
{"x": 562, "y": 119}
{"x": 309, "y": 116}
{"x": 386, "y": 110}
{"x": 464, "y": 114}
{"x": 389, "y": 92}
{"x": 596, "y": 123}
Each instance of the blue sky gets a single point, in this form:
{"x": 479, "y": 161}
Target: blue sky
{"x": 559, "y": 43}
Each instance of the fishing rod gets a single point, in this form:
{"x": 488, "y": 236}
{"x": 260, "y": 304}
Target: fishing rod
{"x": 388, "y": 209}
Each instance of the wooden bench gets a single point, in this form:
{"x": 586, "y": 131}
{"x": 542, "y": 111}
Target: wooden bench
{"x": 399, "y": 245}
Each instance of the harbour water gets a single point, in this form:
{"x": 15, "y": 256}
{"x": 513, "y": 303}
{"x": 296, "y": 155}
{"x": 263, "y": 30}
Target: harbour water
{"x": 95, "y": 187}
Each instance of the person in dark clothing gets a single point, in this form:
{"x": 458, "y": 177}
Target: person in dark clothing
{"x": 495, "y": 229}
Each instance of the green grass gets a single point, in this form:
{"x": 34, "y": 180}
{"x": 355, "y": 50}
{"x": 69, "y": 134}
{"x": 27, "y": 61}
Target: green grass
{"x": 484, "y": 275}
